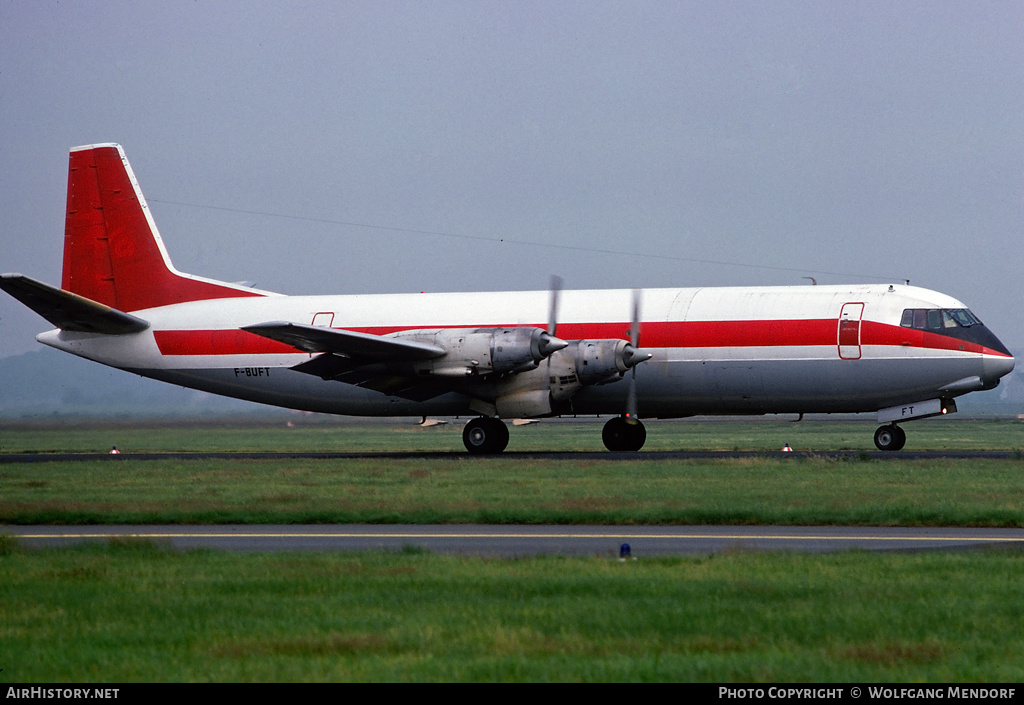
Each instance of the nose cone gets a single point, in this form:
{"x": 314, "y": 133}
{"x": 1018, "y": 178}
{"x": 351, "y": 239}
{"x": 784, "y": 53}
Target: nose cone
{"x": 631, "y": 357}
{"x": 549, "y": 344}
{"x": 997, "y": 361}
{"x": 995, "y": 367}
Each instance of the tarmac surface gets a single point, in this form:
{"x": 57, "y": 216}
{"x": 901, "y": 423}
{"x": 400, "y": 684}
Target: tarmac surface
{"x": 516, "y": 540}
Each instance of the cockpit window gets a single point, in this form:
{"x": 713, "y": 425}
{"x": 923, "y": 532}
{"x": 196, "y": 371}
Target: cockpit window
{"x": 964, "y": 317}
{"x": 938, "y": 318}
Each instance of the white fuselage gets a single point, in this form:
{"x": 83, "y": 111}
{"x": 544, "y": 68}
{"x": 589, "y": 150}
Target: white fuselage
{"x": 714, "y": 350}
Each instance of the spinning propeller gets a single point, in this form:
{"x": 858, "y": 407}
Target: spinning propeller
{"x": 633, "y": 356}
{"x": 556, "y": 293}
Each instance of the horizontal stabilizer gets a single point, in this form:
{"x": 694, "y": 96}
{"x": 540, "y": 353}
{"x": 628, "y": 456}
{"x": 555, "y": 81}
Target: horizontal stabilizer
{"x": 362, "y": 346}
{"x": 69, "y": 311}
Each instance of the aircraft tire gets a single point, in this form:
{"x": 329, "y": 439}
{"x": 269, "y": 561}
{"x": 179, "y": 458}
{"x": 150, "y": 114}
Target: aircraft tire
{"x": 485, "y": 435}
{"x": 621, "y": 436}
{"x": 890, "y": 437}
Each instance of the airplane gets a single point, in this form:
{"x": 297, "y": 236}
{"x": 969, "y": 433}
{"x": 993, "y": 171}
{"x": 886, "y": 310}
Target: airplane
{"x": 899, "y": 351}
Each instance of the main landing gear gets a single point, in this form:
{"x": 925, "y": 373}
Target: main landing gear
{"x": 620, "y": 434}
{"x": 890, "y": 437}
{"x": 489, "y": 435}
{"x": 485, "y": 434}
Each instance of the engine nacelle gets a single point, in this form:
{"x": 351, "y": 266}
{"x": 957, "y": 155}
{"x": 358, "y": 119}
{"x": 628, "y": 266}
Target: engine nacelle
{"x": 582, "y": 363}
{"x": 598, "y": 361}
{"x": 589, "y": 362}
{"x": 520, "y": 349}
{"x": 484, "y": 351}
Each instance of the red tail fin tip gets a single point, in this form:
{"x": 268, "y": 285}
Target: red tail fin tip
{"x": 113, "y": 253}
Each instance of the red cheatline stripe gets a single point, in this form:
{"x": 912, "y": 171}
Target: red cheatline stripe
{"x": 217, "y": 342}
{"x": 692, "y": 334}
{"x": 873, "y": 333}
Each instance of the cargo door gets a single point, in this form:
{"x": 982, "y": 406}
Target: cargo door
{"x": 324, "y": 319}
{"x": 849, "y": 331}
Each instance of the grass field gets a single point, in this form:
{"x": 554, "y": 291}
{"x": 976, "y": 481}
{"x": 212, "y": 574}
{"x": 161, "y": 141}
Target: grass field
{"x": 514, "y": 491}
{"x": 314, "y": 433}
{"x": 775, "y": 489}
{"x": 134, "y": 611}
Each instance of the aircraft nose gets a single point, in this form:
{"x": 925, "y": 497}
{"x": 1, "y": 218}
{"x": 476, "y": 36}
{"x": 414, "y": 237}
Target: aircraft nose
{"x": 996, "y": 366}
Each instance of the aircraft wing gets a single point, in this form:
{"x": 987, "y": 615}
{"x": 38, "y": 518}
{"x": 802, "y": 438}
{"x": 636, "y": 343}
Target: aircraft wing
{"x": 376, "y": 376}
{"x": 364, "y": 347}
{"x": 69, "y": 311}
{"x": 359, "y": 359}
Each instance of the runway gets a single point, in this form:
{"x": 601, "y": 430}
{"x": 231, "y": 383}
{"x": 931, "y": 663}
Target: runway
{"x": 508, "y": 540}
{"x": 512, "y": 541}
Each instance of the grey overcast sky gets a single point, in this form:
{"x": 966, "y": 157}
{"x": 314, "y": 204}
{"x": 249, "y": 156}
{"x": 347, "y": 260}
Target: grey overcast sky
{"x": 348, "y": 147}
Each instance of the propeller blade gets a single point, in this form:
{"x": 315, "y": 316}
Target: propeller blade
{"x": 555, "y": 344}
{"x": 631, "y": 412}
{"x": 634, "y": 320}
{"x": 634, "y": 341}
{"x": 556, "y": 291}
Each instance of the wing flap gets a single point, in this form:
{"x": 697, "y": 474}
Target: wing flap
{"x": 372, "y": 376}
{"x": 68, "y": 311}
{"x": 361, "y": 346}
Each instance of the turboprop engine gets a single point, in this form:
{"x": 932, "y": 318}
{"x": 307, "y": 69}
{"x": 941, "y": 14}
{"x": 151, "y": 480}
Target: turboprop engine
{"x": 586, "y": 362}
{"x": 484, "y": 351}
{"x": 581, "y": 363}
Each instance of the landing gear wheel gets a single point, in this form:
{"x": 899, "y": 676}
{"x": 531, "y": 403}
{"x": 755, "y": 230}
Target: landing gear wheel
{"x": 890, "y": 437}
{"x": 621, "y": 435}
{"x": 485, "y": 435}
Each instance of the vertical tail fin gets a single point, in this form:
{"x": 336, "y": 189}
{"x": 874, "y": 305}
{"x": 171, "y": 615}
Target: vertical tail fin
{"x": 113, "y": 253}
